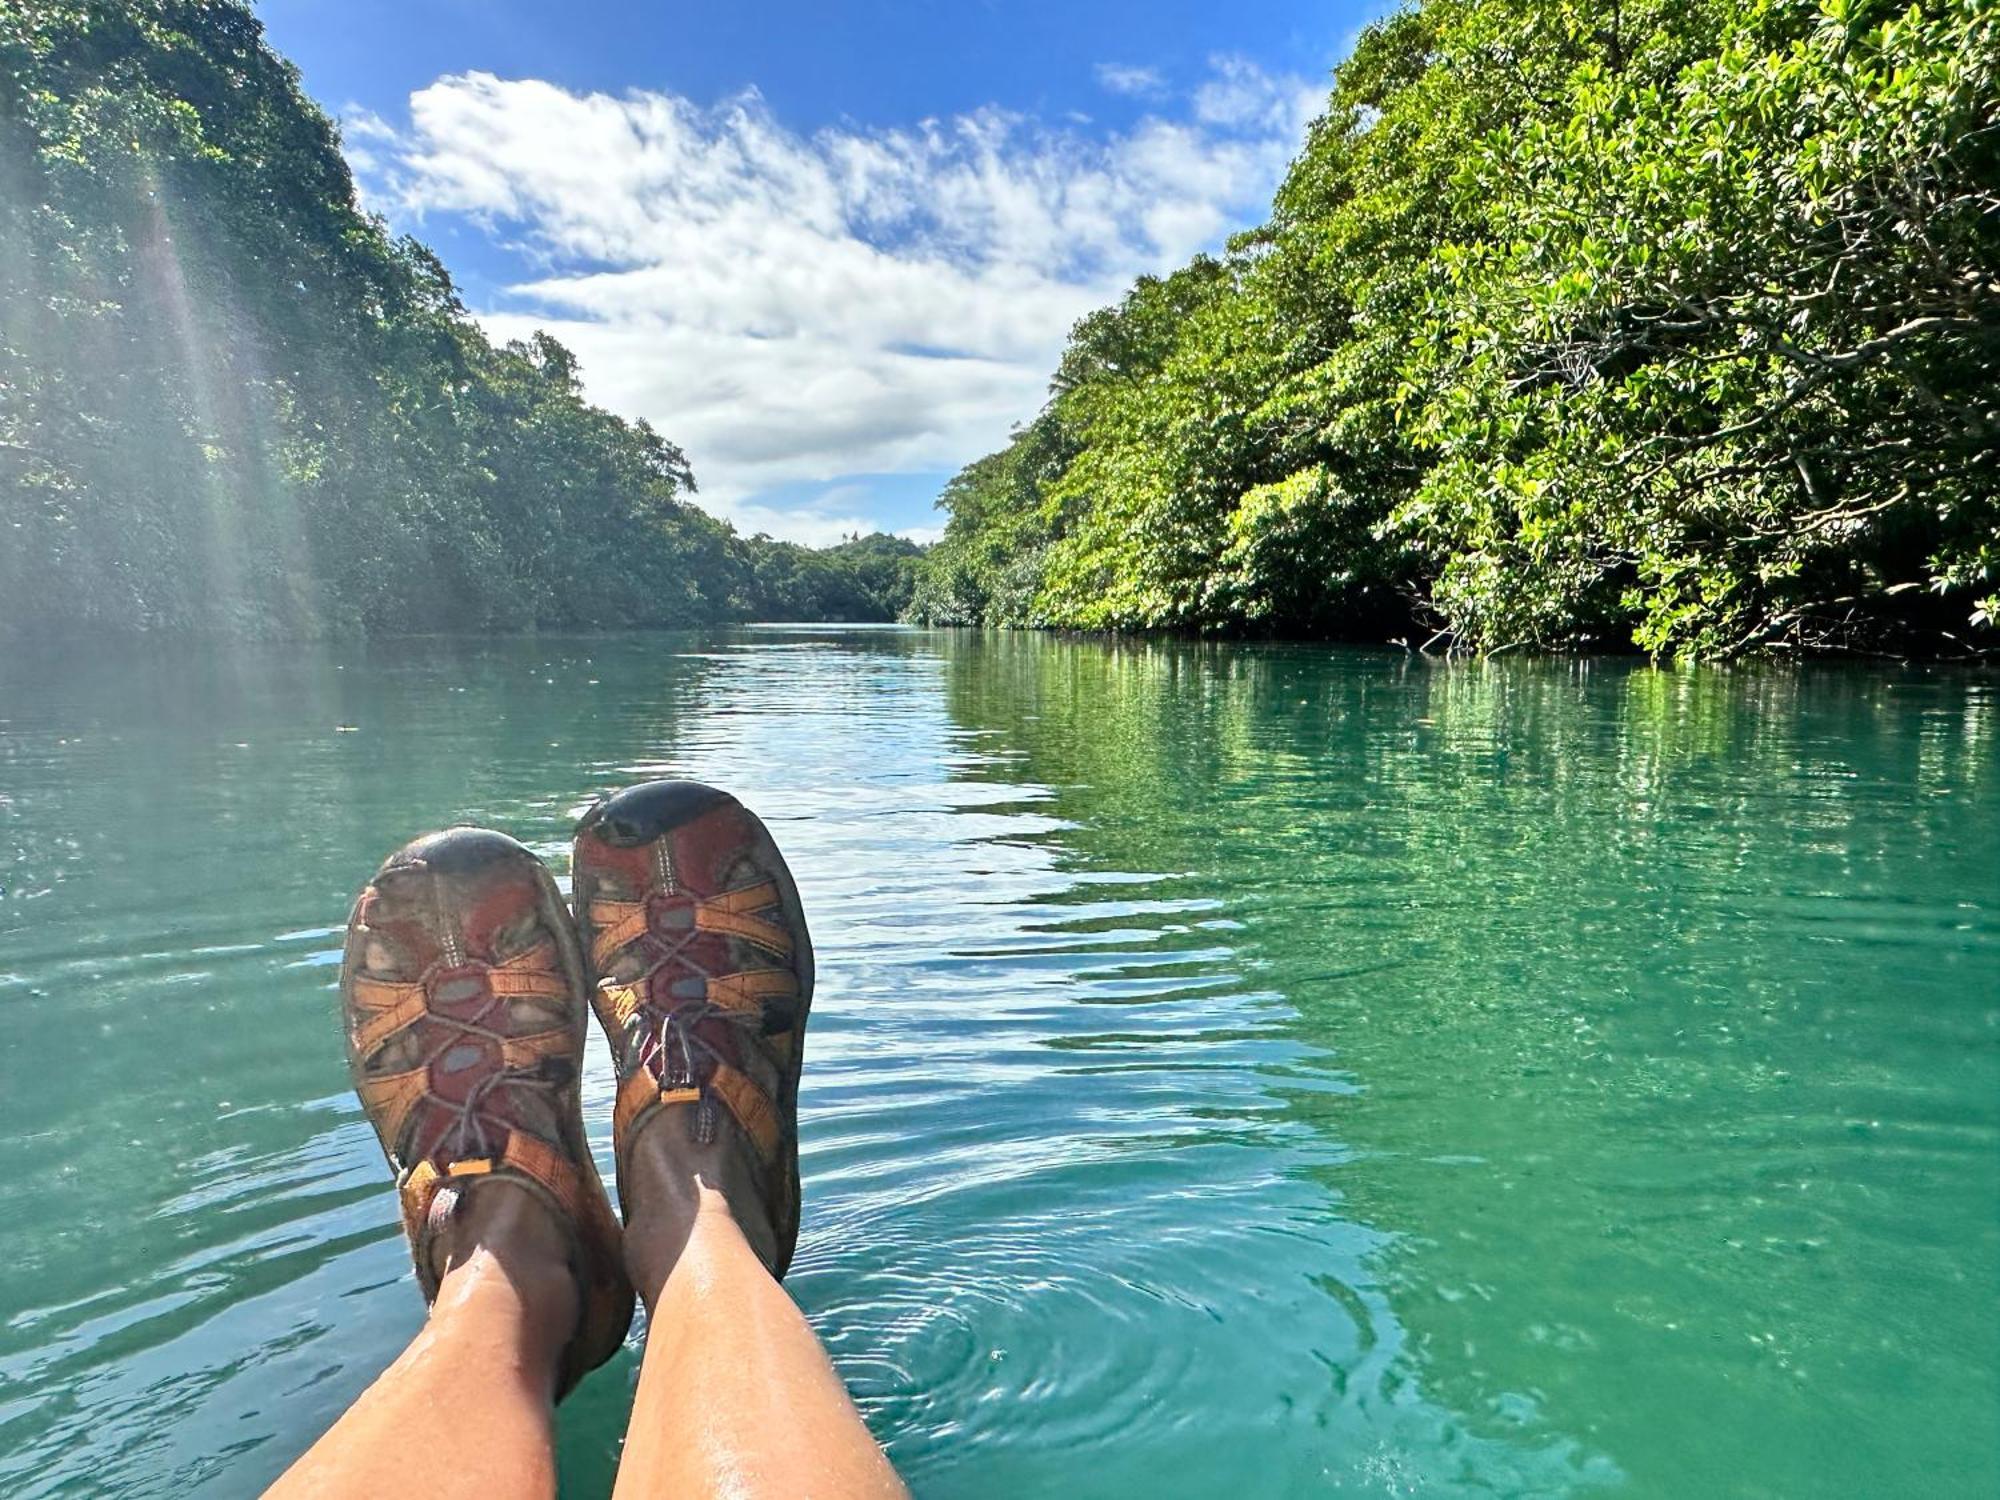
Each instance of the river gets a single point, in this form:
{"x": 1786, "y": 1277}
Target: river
{"x": 1268, "y": 1070}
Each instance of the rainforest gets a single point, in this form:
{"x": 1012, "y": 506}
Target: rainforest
{"x": 1668, "y": 326}
{"x": 1653, "y": 327}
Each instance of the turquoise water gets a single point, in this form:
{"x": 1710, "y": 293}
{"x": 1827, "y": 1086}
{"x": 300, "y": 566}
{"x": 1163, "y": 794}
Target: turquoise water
{"x": 1289, "y": 1070}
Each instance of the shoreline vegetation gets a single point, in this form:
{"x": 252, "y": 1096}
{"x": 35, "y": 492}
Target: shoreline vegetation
{"x": 231, "y": 403}
{"x": 1659, "y": 327}
{"x": 1667, "y": 326}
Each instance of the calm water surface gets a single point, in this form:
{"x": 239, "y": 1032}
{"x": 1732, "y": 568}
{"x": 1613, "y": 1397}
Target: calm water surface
{"x": 1280, "y": 1071}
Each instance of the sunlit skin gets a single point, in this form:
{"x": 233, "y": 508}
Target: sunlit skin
{"x": 736, "y": 1396}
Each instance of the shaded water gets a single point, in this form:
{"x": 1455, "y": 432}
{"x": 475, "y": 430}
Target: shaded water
{"x": 1291, "y": 1070}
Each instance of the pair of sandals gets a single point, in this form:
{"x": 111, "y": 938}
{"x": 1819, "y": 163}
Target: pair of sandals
{"x": 465, "y": 982}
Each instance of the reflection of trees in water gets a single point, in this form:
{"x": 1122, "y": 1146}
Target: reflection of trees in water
{"x": 1618, "y": 957}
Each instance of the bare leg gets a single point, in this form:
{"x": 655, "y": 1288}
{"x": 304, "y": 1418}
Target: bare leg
{"x": 467, "y": 1409}
{"x": 736, "y": 1397}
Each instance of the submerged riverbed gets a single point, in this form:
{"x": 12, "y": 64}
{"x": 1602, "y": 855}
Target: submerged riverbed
{"x": 1276, "y": 1070}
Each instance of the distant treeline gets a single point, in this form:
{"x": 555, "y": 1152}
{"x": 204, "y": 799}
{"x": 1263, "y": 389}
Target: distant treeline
{"x": 231, "y": 402}
{"x": 1667, "y": 323}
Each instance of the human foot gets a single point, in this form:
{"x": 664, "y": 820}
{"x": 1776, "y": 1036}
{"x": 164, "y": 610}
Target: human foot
{"x": 703, "y": 980}
{"x": 463, "y": 987}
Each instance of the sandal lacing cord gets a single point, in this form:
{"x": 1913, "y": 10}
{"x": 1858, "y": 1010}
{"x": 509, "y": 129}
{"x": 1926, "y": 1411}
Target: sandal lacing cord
{"x": 674, "y": 1032}
{"x": 668, "y": 1044}
{"x": 471, "y": 1132}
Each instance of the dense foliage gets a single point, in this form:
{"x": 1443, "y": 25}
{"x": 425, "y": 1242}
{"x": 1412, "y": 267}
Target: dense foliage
{"x": 1667, "y": 324}
{"x": 230, "y": 401}
{"x": 862, "y": 578}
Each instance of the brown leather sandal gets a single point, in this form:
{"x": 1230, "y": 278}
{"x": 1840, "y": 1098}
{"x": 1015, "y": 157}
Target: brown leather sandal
{"x": 464, "y": 990}
{"x": 703, "y": 978}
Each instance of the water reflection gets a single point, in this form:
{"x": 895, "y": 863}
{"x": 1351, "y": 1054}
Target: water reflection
{"x": 1673, "y": 997}
{"x": 1272, "y": 1068}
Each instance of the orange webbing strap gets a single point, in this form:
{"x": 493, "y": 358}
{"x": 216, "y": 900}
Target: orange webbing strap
{"x": 384, "y": 1007}
{"x": 640, "y": 1092}
{"x": 380, "y": 1010}
{"x": 747, "y": 897}
{"x": 526, "y": 1051}
{"x": 380, "y": 994}
{"x": 420, "y": 1185}
{"x": 729, "y": 913}
{"x": 535, "y": 1158}
{"x": 535, "y": 973}
{"x": 615, "y": 1005}
{"x": 752, "y": 1109}
{"x": 751, "y": 988}
{"x": 389, "y": 1098}
{"x": 617, "y": 923}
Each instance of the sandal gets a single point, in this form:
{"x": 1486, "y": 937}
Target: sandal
{"x": 704, "y": 978}
{"x": 464, "y": 992}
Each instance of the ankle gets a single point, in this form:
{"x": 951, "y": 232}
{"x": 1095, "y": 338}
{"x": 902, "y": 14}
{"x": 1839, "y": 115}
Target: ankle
{"x": 658, "y": 1233}
{"x": 679, "y": 1188}
{"x": 503, "y": 1240}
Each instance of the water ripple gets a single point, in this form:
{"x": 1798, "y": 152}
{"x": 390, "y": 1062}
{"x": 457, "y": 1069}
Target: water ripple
{"x": 1270, "y": 1070}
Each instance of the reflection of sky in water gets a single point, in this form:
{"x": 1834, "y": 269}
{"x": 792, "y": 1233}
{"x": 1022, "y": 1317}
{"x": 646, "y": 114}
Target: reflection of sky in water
{"x": 1264, "y": 1068}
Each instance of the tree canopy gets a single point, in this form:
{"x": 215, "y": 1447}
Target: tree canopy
{"x": 1667, "y": 325}
{"x": 231, "y": 401}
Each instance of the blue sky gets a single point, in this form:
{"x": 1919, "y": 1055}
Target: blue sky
{"x": 830, "y": 249}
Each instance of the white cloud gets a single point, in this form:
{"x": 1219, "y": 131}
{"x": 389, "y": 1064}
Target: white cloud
{"x": 1122, "y": 78}
{"x": 795, "y": 307}
{"x": 820, "y": 520}
{"x": 1242, "y": 95}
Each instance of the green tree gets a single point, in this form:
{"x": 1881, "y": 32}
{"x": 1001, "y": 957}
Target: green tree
{"x": 231, "y": 402}
{"x": 1668, "y": 325}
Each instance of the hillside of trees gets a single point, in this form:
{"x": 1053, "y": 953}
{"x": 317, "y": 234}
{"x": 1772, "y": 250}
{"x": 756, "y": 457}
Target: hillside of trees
{"x": 231, "y": 401}
{"x": 1576, "y": 325}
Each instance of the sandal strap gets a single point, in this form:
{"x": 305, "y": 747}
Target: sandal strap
{"x": 525, "y": 1158}
{"x": 730, "y": 914}
{"x": 390, "y": 1097}
{"x": 751, "y": 988}
{"x": 639, "y": 1094}
{"x": 392, "y": 1004}
{"x": 385, "y": 1008}
{"x": 618, "y": 924}
{"x": 751, "y": 1106}
{"x": 744, "y": 992}
{"x": 748, "y": 1105}
{"x": 535, "y": 972}
{"x": 388, "y": 1009}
